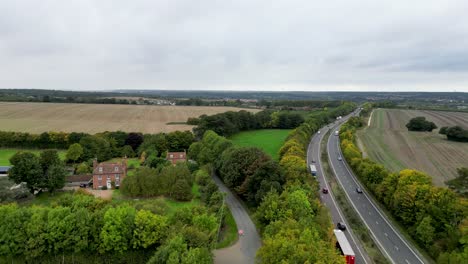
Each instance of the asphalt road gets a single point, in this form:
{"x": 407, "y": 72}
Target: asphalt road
{"x": 245, "y": 249}
{"x": 313, "y": 153}
{"x": 388, "y": 238}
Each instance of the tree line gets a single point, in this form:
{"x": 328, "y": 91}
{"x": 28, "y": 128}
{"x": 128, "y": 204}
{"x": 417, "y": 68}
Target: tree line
{"x": 229, "y": 123}
{"x": 435, "y": 217}
{"x": 296, "y": 227}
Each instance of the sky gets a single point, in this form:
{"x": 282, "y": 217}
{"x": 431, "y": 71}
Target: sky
{"x": 348, "y": 45}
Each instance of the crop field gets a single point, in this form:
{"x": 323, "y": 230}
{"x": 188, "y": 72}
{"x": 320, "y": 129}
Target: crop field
{"x": 94, "y": 118}
{"x": 7, "y": 153}
{"x": 388, "y": 141}
{"x": 268, "y": 140}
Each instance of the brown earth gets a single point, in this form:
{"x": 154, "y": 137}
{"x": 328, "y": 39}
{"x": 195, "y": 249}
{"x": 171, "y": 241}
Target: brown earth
{"x": 388, "y": 141}
{"x": 94, "y": 118}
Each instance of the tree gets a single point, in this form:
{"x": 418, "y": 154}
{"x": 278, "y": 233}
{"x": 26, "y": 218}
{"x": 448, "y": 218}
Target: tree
{"x": 55, "y": 177}
{"x": 425, "y": 231}
{"x": 420, "y": 124}
{"x": 149, "y": 229}
{"x": 74, "y": 152}
{"x": 117, "y": 232}
{"x": 181, "y": 190}
{"x": 95, "y": 147}
{"x": 27, "y": 168}
{"x": 127, "y": 151}
{"x": 134, "y": 140}
{"x": 83, "y": 168}
{"x": 49, "y": 158}
{"x": 443, "y": 130}
{"x": 172, "y": 250}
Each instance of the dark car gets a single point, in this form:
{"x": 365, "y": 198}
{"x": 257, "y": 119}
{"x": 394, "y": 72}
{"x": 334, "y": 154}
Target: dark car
{"x": 83, "y": 185}
{"x": 358, "y": 190}
{"x": 341, "y": 226}
{"x": 325, "y": 190}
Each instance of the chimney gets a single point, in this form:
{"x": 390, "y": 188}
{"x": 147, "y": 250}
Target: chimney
{"x": 95, "y": 163}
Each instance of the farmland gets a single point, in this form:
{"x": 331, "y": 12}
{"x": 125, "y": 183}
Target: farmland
{"x": 94, "y": 118}
{"x": 6, "y": 154}
{"x": 269, "y": 140}
{"x": 387, "y": 141}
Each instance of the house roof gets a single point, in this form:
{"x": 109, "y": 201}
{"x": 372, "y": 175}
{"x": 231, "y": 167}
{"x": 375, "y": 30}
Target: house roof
{"x": 79, "y": 178}
{"x": 109, "y": 167}
{"x": 176, "y": 155}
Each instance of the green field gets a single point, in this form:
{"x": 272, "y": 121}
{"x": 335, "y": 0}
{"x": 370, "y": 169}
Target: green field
{"x": 269, "y": 140}
{"x": 6, "y": 154}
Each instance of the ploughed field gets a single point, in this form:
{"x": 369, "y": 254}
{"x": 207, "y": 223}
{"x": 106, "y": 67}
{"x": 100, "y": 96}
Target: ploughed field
{"x": 388, "y": 142}
{"x": 268, "y": 140}
{"x": 94, "y": 118}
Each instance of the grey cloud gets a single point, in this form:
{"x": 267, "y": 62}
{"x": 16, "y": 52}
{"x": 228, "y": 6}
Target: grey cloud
{"x": 307, "y": 45}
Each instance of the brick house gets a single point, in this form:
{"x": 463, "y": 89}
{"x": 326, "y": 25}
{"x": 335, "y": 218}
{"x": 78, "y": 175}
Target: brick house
{"x": 175, "y": 157}
{"x": 105, "y": 173}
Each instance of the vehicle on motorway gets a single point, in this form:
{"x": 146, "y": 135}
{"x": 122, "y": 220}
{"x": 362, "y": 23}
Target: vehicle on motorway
{"x": 324, "y": 190}
{"x": 318, "y": 132}
{"x": 341, "y": 226}
{"x": 313, "y": 170}
{"x": 358, "y": 190}
{"x": 339, "y": 158}
{"x": 342, "y": 244}
{"x": 336, "y": 133}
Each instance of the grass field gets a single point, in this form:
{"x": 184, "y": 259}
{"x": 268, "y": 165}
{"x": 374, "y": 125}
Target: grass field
{"x": 269, "y": 140}
{"x": 94, "y": 118}
{"x": 387, "y": 141}
{"x": 6, "y": 154}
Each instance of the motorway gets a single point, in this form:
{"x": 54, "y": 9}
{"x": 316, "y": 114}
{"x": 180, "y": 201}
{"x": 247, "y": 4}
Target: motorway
{"x": 313, "y": 153}
{"x": 387, "y": 237}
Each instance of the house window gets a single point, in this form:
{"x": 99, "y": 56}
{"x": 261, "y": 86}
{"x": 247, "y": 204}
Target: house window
{"x": 117, "y": 177}
{"x": 117, "y": 182}
{"x": 181, "y": 155}
{"x": 116, "y": 168}
{"x": 99, "y": 178}
{"x": 171, "y": 156}
{"x": 100, "y": 169}
{"x": 108, "y": 177}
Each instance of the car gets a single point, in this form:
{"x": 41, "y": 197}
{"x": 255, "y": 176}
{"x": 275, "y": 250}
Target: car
{"x": 358, "y": 190}
{"x": 318, "y": 132}
{"x": 339, "y": 158}
{"x": 324, "y": 190}
{"x": 341, "y": 226}
{"x": 313, "y": 161}
{"x": 83, "y": 185}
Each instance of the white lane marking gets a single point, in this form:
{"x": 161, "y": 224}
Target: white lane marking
{"x": 407, "y": 261}
{"x": 396, "y": 248}
{"x": 378, "y": 211}
{"x": 386, "y": 234}
{"x": 377, "y": 222}
{"x": 370, "y": 213}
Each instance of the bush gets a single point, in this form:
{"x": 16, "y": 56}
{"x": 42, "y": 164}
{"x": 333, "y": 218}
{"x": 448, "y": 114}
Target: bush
{"x": 104, "y": 187}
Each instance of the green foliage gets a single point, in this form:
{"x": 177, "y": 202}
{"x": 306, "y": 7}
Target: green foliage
{"x": 457, "y": 133}
{"x": 181, "y": 191}
{"x": 420, "y": 124}
{"x": 116, "y": 233}
{"x": 27, "y": 168}
{"x": 127, "y": 151}
{"x": 83, "y": 168}
{"x": 460, "y": 184}
{"x": 268, "y": 140}
{"x": 55, "y": 177}
{"x": 149, "y": 229}
{"x": 74, "y": 152}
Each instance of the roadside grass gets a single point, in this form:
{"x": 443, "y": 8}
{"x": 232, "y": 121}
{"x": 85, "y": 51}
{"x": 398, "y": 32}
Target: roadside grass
{"x": 228, "y": 234}
{"x": 7, "y": 153}
{"x": 359, "y": 228}
{"x": 268, "y": 140}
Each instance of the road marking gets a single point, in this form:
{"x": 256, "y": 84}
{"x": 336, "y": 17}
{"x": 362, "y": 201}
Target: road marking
{"x": 407, "y": 261}
{"x": 378, "y": 211}
{"x": 370, "y": 213}
{"x": 386, "y": 234}
{"x": 377, "y": 222}
{"x": 396, "y": 248}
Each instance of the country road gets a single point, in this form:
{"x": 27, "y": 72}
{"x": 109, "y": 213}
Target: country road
{"x": 313, "y": 154}
{"x": 245, "y": 249}
{"x": 387, "y": 237}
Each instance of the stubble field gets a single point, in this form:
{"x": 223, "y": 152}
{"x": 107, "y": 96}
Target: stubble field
{"x": 94, "y": 118}
{"x": 388, "y": 142}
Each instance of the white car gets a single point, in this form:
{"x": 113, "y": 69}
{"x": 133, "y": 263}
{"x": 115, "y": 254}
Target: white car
{"x": 318, "y": 132}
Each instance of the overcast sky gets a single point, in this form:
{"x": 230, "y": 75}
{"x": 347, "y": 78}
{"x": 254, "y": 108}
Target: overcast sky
{"x": 400, "y": 45}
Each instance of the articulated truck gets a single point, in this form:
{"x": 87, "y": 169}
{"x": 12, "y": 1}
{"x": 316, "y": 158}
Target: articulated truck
{"x": 343, "y": 245}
